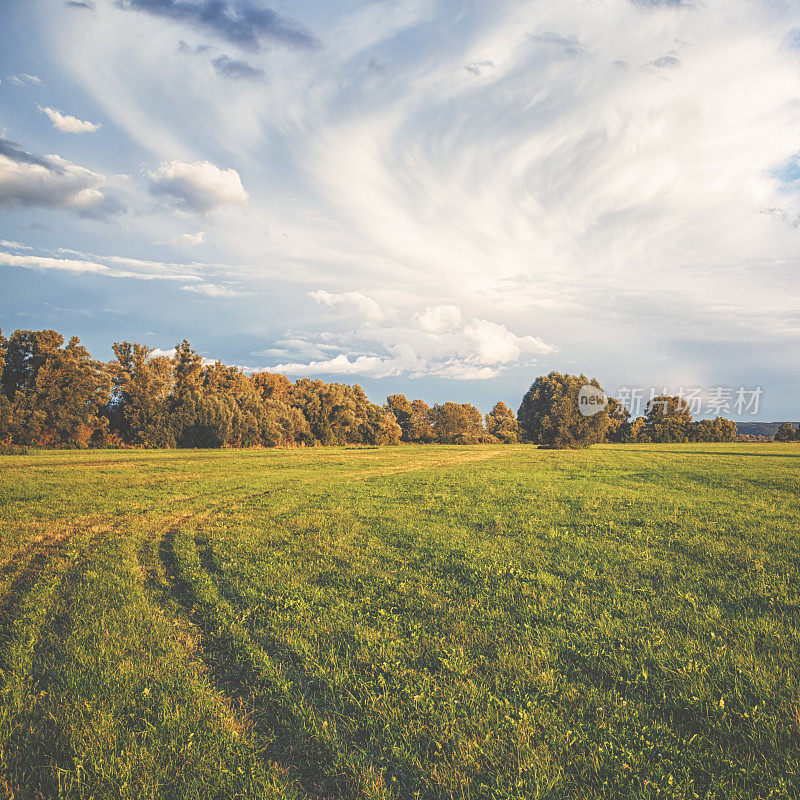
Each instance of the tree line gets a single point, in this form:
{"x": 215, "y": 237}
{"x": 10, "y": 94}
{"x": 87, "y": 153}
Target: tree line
{"x": 54, "y": 394}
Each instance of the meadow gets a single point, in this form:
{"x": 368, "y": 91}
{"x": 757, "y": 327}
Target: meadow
{"x": 428, "y": 622}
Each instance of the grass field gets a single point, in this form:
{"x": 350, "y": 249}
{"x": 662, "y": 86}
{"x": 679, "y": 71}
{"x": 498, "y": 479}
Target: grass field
{"x": 413, "y": 622}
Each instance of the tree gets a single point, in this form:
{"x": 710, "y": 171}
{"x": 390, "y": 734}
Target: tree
{"x": 398, "y": 405}
{"x": 421, "y": 427}
{"x": 192, "y": 421}
{"x": 718, "y": 429}
{"x": 668, "y": 419}
{"x": 618, "y": 416}
{"x": 6, "y": 409}
{"x": 380, "y": 427}
{"x": 502, "y": 424}
{"x": 785, "y": 433}
{"x": 272, "y": 385}
{"x": 142, "y": 385}
{"x": 457, "y": 423}
{"x": 550, "y": 415}
{"x": 55, "y": 391}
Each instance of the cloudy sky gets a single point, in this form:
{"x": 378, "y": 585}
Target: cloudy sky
{"x": 435, "y": 197}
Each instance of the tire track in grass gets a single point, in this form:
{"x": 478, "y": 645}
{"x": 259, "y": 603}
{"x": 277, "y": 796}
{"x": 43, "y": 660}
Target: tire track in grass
{"x": 160, "y": 588}
{"x": 42, "y": 553}
{"x": 24, "y": 612}
{"x": 249, "y": 679}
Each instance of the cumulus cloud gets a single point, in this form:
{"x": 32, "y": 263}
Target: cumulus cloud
{"x": 350, "y": 302}
{"x": 200, "y": 186}
{"x": 68, "y": 123}
{"x": 440, "y": 319}
{"x": 236, "y": 69}
{"x": 190, "y": 239}
{"x": 52, "y": 182}
{"x": 438, "y": 342}
{"x": 246, "y": 23}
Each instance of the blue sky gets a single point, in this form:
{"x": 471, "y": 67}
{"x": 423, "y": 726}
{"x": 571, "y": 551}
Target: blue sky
{"x": 440, "y": 198}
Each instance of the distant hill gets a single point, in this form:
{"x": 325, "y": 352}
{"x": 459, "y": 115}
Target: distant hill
{"x": 760, "y": 428}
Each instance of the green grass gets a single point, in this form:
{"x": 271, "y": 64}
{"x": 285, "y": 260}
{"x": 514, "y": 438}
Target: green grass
{"x": 414, "y": 622}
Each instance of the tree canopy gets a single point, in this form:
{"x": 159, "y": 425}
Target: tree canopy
{"x": 550, "y": 414}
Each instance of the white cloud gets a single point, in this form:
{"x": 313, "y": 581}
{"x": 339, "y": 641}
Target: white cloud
{"x": 43, "y": 262}
{"x": 438, "y": 342}
{"x": 210, "y": 290}
{"x": 25, "y": 79}
{"x": 109, "y": 266}
{"x": 67, "y": 123}
{"x": 157, "y": 352}
{"x": 190, "y": 239}
{"x": 199, "y": 186}
{"x": 373, "y": 366}
{"x": 350, "y": 302}
{"x": 440, "y": 319}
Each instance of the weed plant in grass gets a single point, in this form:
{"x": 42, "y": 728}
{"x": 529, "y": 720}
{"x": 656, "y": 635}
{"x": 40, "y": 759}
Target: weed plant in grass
{"x": 413, "y": 622}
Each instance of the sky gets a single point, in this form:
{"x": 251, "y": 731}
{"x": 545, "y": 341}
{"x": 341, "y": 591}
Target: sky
{"x": 439, "y": 198}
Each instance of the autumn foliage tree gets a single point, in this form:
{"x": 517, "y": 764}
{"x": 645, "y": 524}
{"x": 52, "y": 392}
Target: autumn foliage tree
{"x": 501, "y": 423}
{"x": 457, "y": 423}
{"x": 53, "y": 391}
{"x": 550, "y": 415}
{"x": 668, "y": 419}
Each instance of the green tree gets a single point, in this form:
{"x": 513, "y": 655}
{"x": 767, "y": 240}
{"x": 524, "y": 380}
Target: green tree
{"x": 398, "y": 405}
{"x": 6, "y": 410}
{"x": 501, "y": 422}
{"x": 718, "y": 429}
{"x": 380, "y": 427}
{"x": 618, "y": 416}
{"x": 139, "y": 404}
{"x": 56, "y": 391}
{"x": 785, "y": 433}
{"x": 457, "y": 423}
{"x": 550, "y": 415}
{"x": 281, "y": 423}
{"x": 668, "y": 419}
{"x": 421, "y": 429}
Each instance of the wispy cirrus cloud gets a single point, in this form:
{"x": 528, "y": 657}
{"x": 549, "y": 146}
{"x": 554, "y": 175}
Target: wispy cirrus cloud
{"x": 25, "y": 79}
{"x": 108, "y": 266}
